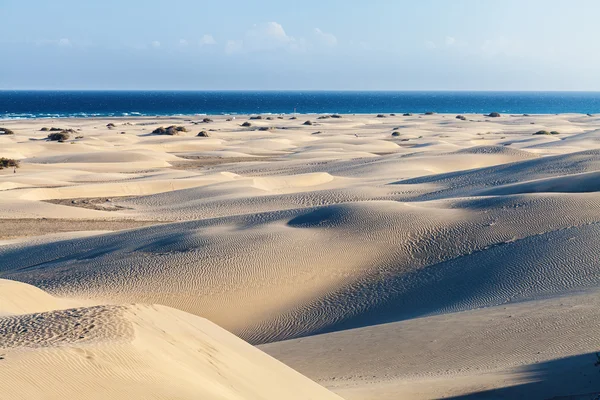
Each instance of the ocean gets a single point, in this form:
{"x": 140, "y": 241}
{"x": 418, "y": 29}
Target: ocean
{"x": 37, "y": 104}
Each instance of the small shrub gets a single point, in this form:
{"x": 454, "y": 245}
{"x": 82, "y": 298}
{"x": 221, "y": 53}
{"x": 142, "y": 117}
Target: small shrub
{"x": 590, "y": 115}
{"x": 44, "y": 129}
{"x": 203, "y": 134}
{"x": 493, "y": 115}
{"x": 265, "y": 128}
{"x": 324, "y": 117}
{"x": 554, "y": 133}
{"x": 380, "y": 116}
{"x": 56, "y": 129}
{"x": 429, "y": 113}
{"x": 9, "y": 163}
{"x": 293, "y": 117}
{"x": 307, "y": 123}
{"x": 256, "y": 117}
{"x": 6, "y": 131}
{"x": 246, "y": 124}
{"x": 542, "y": 133}
{"x": 316, "y": 133}
{"x": 229, "y": 119}
{"x": 280, "y": 117}
{"x": 206, "y": 120}
{"x": 270, "y": 118}
{"x": 526, "y": 115}
{"x": 392, "y": 115}
{"x": 407, "y": 115}
{"x": 110, "y": 126}
{"x": 395, "y": 133}
{"x": 159, "y": 131}
{"x": 78, "y": 137}
{"x": 461, "y": 117}
{"x": 59, "y": 136}
{"x": 336, "y": 116}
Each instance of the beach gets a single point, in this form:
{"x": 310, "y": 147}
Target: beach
{"x": 321, "y": 256}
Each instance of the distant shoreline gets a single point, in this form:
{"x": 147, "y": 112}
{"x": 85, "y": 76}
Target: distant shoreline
{"x": 285, "y": 116}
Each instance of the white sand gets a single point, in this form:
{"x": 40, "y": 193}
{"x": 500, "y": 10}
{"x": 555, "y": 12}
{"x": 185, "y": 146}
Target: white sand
{"x": 458, "y": 258}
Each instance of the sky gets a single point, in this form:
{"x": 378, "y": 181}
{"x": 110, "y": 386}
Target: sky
{"x": 300, "y": 45}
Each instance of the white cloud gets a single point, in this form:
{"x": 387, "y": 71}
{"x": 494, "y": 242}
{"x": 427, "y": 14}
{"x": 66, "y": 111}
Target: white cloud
{"x": 430, "y": 45}
{"x": 327, "y": 39}
{"x": 450, "y": 41}
{"x": 155, "y": 44}
{"x": 64, "y": 42}
{"x": 207, "y": 40}
{"x": 233, "y": 46}
{"x": 265, "y": 37}
{"x": 183, "y": 43}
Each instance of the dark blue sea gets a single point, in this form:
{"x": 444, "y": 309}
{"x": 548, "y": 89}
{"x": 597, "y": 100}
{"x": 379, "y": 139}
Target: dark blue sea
{"x": 35, "y": 104}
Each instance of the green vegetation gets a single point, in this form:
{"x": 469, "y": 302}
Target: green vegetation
{"x": 9, "y": 163}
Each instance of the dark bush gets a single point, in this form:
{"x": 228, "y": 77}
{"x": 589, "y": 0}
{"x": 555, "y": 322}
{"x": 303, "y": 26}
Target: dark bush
{"x": 56, "y": 129}
{"x": 316, "y": 133}
{"x": 203, "y": 134}
{"x": 9, "y": 163}
{"x": 307, "y": 123}
{"x": 293, "y": 117}
{"x": 169, "y": 130}
{"x": 256, "y": 117}
{"x": 110, "y": 126}
{"x": 59, "y": 136}
{"x": 392, "y": 115}
{"x": 407, "y": 115}
{"x": 461, "y": 117}
{"x": 542, "y": 133}
{"x": 207, "y": 120}
{"x": 324, "y": 117}
{"x": 336, "y": 116}
{"x": 429, "y": 113}
{"x": 270, "y": 118}
{"x": 44, "y": 129}
{"x": 246, "y": 124}
{"x": 493, "y": 115}
{"x": 6, "y": 131}
{"x": 265, "y": 128}
{"x": 380, "y": 116}
{"x": 395, "y": 133}
{"x": 554, "y": 133}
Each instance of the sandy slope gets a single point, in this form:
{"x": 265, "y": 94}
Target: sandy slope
{"x": 131, "y": 352}
{"x": 410, "y": 255}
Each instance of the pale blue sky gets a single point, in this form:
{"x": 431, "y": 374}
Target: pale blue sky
{"x": 317, "y": 45}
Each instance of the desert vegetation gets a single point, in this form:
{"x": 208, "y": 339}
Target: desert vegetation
{"x": 246, "y": 124}
{"x": 461, "y": 117}
{"x": 493, "y": 115}
{"x": 59, "y": 136}
{"x": 307, "y": 123}
{"x": 169, "y": 130}
{"x": 6, "y": 131}
{"x": 9, "y": 163}
{"x": 203, "y": 134}
{"x": 544, "y": 132}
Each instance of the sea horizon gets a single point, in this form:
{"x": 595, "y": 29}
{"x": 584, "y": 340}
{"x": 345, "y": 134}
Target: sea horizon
{"x": 26, "y": 104}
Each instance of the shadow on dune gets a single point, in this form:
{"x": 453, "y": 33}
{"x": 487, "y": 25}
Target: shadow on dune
{"x": 571, "y": 378}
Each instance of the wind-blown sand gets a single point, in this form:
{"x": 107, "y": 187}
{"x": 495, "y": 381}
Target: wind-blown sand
{"x": 457, "y": 258}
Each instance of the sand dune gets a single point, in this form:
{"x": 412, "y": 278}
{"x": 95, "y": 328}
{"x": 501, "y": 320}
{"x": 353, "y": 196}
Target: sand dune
{"x": 455, "y": 258}
{"x": 135, "y": 352}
